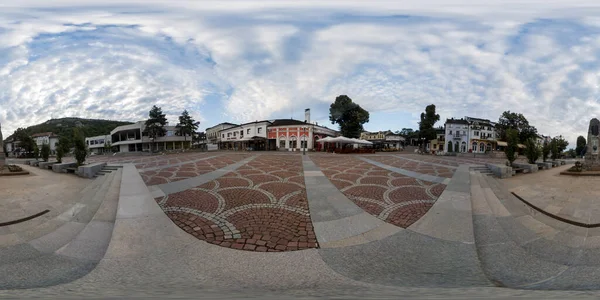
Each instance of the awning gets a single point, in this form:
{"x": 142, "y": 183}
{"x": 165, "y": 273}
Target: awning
{"x": 501, "y": 143}
{"x": 521, "y": 146}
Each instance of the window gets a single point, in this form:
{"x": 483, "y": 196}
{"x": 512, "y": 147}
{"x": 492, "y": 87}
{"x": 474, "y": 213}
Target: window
{"x": 241, "y": 133}
{"x": 450, "y": 131}
{"x": 481, "y": 147}
{"x": 229, "y": 134}
{"x": 281, "y": 143}
{"x": 223, "y": 135}
{"x": 474, "y": 147}
{"x": 259, "y": 129}
{"x": 234, "y": 133}
{"x": 248, "y": 131}
{"x": 476, "y": 133}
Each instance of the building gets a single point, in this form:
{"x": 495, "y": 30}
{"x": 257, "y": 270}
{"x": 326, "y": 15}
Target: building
{"x": 99, "y": 144}
{"x": 248, "y": 136}
{"x": 48, "y": 138}
{"x": 278, "y": 134}
{"x": 482, "y": 135}
{"x": 384, "y": 139}
{"x": 457, "y": 135}
{"x": 437, "y": 144}
{"x": 295, "y": 135}
{"x": 134, "y": 138}
{"x": 213, "y": 138}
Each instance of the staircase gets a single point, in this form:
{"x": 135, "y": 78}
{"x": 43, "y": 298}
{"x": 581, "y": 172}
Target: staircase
{"x": 484, "y": 170}
{"x": 107, "y": 170}
{"x": 67, "y": 246}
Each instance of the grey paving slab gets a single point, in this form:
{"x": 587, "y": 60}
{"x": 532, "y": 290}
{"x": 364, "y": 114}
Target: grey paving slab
{"x": 56, "y": 239}
{"x": 516, "y": 231}
{"x": 178, "y": 164}
{"x": 573, "y": 278}
{"x": 450, "y": 217}
{"x": 186, "y": 184}
{"x": 409, "y": 259}
{"x": 334, "y": 230}
{"x": 17, "y": 253}
{"x": 43, "y": 271}
{"x": 134, "y": 198}
{"x": 489, "y": 232}
{"x": 409, "y": 173}
{"x": 510, "y": 265}
{"x": 91, "y": 243}
{"x": 425, "y": 162}
{"x": 553, "y": 251}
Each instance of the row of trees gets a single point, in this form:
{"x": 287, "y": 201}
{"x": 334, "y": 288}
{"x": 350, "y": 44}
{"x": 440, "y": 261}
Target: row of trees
{"x": 155, "y": 125}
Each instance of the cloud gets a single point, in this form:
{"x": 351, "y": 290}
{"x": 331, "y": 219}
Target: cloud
{"x": 247, "y": 60}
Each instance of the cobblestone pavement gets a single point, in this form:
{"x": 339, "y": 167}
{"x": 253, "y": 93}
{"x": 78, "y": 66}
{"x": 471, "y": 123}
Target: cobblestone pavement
{"x": 419, "y": 167}
{"x": 261, "y": 206}
{"x": 429, "y": 159}
{"x": 392, "y": 197}
{"x": 172, "y": 173}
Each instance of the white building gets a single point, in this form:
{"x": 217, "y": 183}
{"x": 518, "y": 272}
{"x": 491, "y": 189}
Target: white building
{"x": 98, "y": 144}
{"x": 251, "y": 135}
{"x": 134, "y": 138}
{"x": 46, "y": 138}
{"x": 213, "y": 138}
{"x": 482, "y": 135}
{"x": 295, "y": 135}
{"x": 457, "y": 135}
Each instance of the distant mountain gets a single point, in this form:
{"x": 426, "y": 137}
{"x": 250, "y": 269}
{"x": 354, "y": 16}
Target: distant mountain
{"x": 64, "y": 126}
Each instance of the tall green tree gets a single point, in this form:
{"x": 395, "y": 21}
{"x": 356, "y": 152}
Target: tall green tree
{"x": 533, "y": 151}
{"x": 45, "y": 152}
{"x": 348, "y": 115}
{"x": 187, "y": 125}
{"x": 512, "y": 140}
{"x": 518, "y": 122}
{"x": 581, "y": 143}
{"x": 80, "y": 150}
{"x": 546, "y": 150}
{"x": 427, "y": 123}
{"x": 62, "y": 147}
{"x": 557, "y": 146}
{"x": 155, "y": 125}
{"x": 406, "y": 132}
{"x": 36, "y": 151}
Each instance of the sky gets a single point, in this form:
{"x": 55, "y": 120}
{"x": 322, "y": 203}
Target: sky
{"x": 240, "y": 61}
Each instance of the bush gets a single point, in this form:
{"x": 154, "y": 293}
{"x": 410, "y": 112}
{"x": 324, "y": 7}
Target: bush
{"x": 512, "y": 140}
{"x": 36, "y": 152}
{"x": 45, "y": 152}
{"x": 532, "y": 152}
{"x": 80, "y": 147}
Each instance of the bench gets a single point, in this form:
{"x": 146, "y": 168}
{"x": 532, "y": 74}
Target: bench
{"x": 62, "y": 167}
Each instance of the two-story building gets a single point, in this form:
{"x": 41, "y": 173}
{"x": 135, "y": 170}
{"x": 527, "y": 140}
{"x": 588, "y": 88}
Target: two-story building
{"x": 248, "y": 136}
{"x": 295, "y": 135}
{"x": 457, "y": 135}
{"x": 213, "y": 138}
{"x": 98, "y": 144}
{"x": 482, "y": 135}
{"x": 383, "y": 139}
{"x": 135, "y": 138}
{"x": 48, "y": 138}
{"x": 437, "y": 144}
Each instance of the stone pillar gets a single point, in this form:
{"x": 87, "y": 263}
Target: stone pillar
{"x": 592, "y": 162}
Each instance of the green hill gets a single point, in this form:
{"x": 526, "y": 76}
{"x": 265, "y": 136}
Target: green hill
{"x": 64, "y": 126}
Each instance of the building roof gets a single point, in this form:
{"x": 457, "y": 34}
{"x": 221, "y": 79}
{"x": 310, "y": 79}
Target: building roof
{"x": 49, "y": 134}
{"x": 224, "y": 123}
{"x": 288, "y": 122}
{"x": 457, "y": 121}
{"x": 255, "y": 122}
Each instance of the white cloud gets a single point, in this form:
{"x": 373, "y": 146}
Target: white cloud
{"x": 271, "y": 60}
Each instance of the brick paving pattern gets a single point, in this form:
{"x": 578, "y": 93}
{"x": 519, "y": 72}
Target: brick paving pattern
{"x": 180, "y": 172}
{"x": 262, "y": 206}
{"x": 419, "y": 167}
{"x": 392, "y": 197}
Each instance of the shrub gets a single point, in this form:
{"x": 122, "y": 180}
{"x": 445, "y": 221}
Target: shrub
{"x": 80, "y": 147}
{"x": 532, "y": 152}
{"x": 512, "y": 140}
{"x": 45, "y": 152}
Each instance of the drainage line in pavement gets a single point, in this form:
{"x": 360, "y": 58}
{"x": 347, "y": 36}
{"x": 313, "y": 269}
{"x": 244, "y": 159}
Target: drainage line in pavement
{"x": 25, "y": 219}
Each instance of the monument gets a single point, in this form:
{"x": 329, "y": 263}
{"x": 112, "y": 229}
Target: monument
{"x": 2, "y": 154}
{"x": 592, "y": 161}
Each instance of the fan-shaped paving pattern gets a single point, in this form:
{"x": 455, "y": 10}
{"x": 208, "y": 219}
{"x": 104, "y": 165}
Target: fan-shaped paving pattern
{"x": 392, "y": 197}
{"x": 261, "y": 206}
{"x": 419, "y": 167}
{"x": 189, "y": 170}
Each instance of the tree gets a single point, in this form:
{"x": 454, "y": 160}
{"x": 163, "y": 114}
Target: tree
{"x": 511, "y": 120}
{"x": 406, "y": 132}
{"x": 581, "y": 143}
{"x": 571, "y": 153}
{"x": 512, "y": 140}
{"x": 532, "y": 152}
{"x": 62, "y": 147}
{"x": 80, "y": 151}
{"x": 546, "y": 150}
{"x": 155, "y": 125}
{"x": 45, "y": 152}
{"x": 348, "y": 115}
{"x": 187, "y": 125}
{"x": 561, "y": 144}
{"x": 107, "y": 146}
{"x": 36, "y": 151}
{"x": 428, "y": 119}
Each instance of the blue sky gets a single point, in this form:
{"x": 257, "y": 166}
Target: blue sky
{"x": 239, "y": 61}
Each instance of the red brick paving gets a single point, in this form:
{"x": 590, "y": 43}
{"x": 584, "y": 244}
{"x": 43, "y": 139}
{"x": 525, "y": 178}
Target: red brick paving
{"x": 392, "y": 197}
{"x": 260, "y": 207}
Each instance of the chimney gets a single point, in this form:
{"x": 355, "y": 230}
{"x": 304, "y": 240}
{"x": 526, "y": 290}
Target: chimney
{"x": 307, "y": 115}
